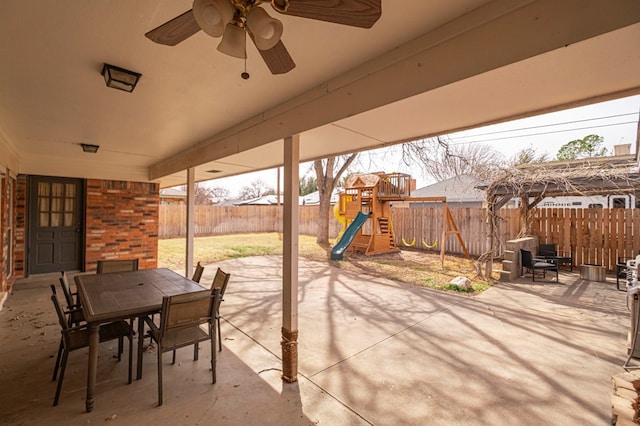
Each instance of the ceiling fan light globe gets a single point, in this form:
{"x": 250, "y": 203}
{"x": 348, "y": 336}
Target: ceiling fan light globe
{"x": 213, "y": 15}
{"x": 265, "y": 29}
{"x": 234, "y": 42}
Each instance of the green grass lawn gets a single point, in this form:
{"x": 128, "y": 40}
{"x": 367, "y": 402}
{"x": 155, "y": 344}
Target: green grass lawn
{"x": 171, "y": 252}
{"x": 415, "y": 267}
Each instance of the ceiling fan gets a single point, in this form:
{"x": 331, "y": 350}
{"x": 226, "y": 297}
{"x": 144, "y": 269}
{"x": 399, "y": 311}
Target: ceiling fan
{"x": 234, "y": 19}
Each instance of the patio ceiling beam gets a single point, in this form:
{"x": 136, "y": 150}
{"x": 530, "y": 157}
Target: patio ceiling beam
{"x": 497, "y": 34}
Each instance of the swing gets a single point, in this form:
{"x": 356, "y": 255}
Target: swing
{"x": 411, "y": 244}
{"x": 435, "y": 243}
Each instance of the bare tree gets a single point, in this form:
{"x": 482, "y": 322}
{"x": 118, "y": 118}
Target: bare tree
{"x": 441, "y": 160}
{"x": 255, "y": 189}
{"x": 327, "y": 176}
{"x": 203, "y": 195}
{"x": 219, "y": 194}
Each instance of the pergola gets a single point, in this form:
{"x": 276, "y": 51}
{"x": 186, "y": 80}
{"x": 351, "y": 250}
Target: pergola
{"x": 531, "y": 183}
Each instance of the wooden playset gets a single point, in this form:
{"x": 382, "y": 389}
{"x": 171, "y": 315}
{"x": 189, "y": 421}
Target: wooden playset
{"x": 372, "y": 194}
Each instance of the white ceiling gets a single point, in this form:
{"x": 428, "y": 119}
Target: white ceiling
{"x": 426, "y": 67}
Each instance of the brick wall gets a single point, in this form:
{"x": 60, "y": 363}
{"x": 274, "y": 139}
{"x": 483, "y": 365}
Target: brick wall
{"x": 6, "y": 282}
{"x": 121, "y": 222}
{"x": 20, "y": 223}
{"x": 3, "y": 234}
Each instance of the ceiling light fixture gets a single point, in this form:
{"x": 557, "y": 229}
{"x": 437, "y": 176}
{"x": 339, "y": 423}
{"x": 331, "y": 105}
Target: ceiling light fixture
{"x": 89, "y": 148}
{"x": 120, "y": 78}
{"x": 213, "y": 15}
{"x": 232, "y": 19}
{"x": 265, "y": 29}
{"x": 234, "y": 41}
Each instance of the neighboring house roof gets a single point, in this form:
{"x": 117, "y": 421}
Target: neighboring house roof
{"x": 265, "y": 200}
{"x": 313, "y": 198}
{"x": 459, "y": 189}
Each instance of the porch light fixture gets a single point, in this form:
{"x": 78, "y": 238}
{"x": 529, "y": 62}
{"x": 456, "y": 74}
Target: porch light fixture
{"x": 89, "y": 148}
{"x": 120, "y": 78}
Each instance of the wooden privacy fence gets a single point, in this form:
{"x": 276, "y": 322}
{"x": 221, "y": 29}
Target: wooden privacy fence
{"x": 591, "y": 236}
{"x": 421, "y": 228}
{"x": 596, "y": 236}
{"x": 422, "y": 224}
{"x": 216, "y": 220}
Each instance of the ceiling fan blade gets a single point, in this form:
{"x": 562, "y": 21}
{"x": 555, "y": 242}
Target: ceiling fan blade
{"x": 356, "y": 13}
{"x": 277, "y": 58}
{"x": 176, "y": 30}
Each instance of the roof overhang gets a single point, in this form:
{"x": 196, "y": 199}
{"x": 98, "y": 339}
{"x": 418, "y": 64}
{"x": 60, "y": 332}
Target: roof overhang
{"x": 426, "y": 68}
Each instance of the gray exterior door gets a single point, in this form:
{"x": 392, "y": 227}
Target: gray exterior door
{"x": 55, "y": 224}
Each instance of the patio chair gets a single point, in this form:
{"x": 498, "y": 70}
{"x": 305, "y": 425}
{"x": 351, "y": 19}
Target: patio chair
{"x": 73, "y": 303}
{"x": 106, "y": 266}
{"x": 220, "y": 282}
{"x": 74, "y": 316}
{"x": 621, "y": 272}
{"x": 69, "y": 296}
{"x": 549, "y": 253}
{"x": 545, "y": 250}
{"x": 197, "y": 276}
{"x": 535, "y": 264}
{"x": 197, "y": 273}
{"x": 180, "y": 320}
{"x": 77, "y": 337}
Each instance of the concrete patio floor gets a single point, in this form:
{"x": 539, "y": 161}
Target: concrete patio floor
{"x": 371, "y": 351}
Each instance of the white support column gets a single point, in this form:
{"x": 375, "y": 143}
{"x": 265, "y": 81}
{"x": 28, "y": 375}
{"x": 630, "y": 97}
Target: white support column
{"x": 191, "y": 192}
{"x": 290, "y": 262}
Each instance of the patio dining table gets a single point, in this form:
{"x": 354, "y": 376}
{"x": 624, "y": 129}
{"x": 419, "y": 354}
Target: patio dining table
{"x": 123, "y": 295}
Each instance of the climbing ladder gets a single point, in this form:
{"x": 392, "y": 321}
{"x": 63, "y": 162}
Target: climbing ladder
{"x": 383, "y": 223}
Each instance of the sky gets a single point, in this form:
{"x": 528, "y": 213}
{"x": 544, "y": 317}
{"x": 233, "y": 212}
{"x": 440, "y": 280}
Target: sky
{"x": 616, "y": 121}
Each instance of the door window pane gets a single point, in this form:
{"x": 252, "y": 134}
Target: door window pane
{"x": 57, "y": 189}
{"x": 70, "y": 205}
{"x": 43, "y": 189}
{"x": 70, "y": 190}
{"x": 56, "y": 219}
{"x": 57, "y": 204}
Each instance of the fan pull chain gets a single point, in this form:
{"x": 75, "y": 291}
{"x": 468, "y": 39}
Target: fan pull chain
{"x": 245, "y": 75}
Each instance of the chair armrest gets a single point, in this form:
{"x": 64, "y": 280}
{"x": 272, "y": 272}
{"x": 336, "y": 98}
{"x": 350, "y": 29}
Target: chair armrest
{"x": 153, "y": 328}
